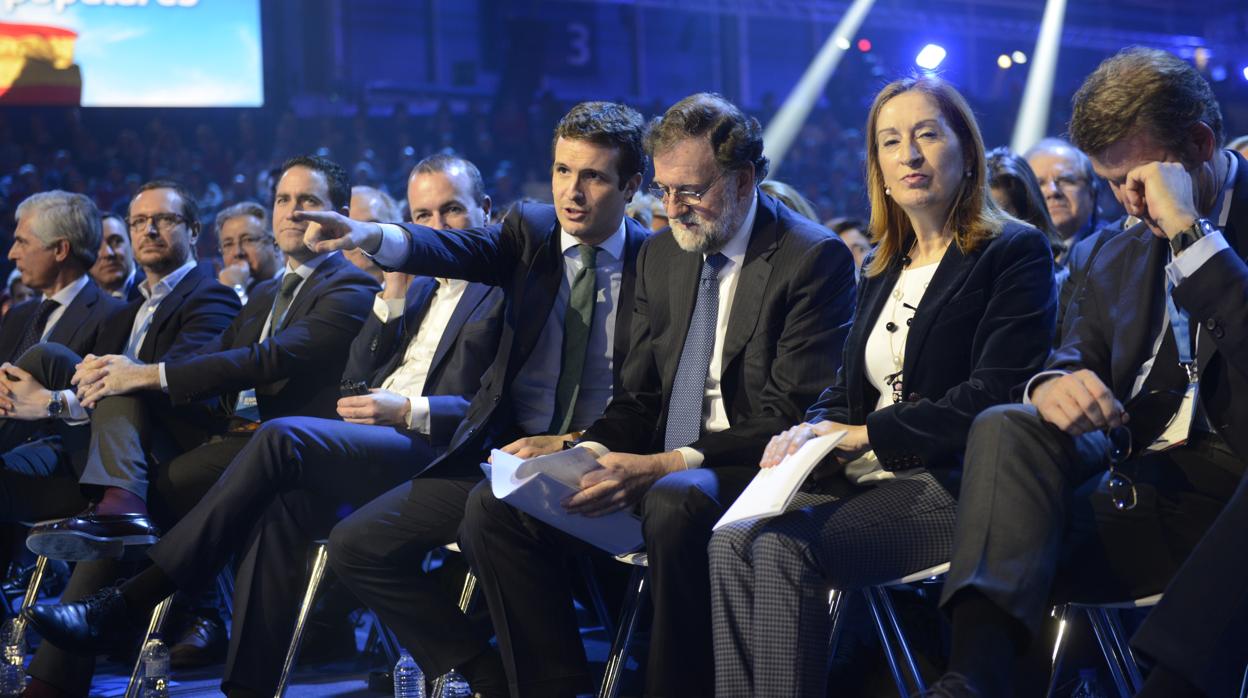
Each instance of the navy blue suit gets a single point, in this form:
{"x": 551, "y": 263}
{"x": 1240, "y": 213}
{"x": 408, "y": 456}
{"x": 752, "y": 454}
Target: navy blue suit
{"x": 297, "y": 476}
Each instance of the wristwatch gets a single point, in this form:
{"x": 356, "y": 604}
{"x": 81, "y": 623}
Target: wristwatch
{"x": 1188, "y": 237}
{"x": 56, "y": 405}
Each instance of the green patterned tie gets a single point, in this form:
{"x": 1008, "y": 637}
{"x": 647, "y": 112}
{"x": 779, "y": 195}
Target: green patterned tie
{"x": 576, "y": 323}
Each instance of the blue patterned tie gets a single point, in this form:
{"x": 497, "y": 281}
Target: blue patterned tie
{"x": 684, "y": 410}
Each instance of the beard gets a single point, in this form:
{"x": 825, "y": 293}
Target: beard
{"x": 709, "y": 235}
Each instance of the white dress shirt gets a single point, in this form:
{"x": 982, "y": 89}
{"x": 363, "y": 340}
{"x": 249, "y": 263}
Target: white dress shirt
{"x": 408, "y": 378}
{"x": 63, "y": 297}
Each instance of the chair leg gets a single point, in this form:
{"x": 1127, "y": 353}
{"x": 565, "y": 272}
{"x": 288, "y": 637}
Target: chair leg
{"x": 903, "y": 644}
{"x": 1104, "y": 638}
{"x": 32, "y": 593}
{"x": 837, "y": 603}
{"x": 886, "y": 642}
{"x": 1061, "y": 613}
{"x": 320, "y": 556}
{"x": 1113, "y": 621}
{"x": 154, "y": 626}
{"x": 624, "y": 634}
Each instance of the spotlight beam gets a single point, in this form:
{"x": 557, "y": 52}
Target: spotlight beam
{"x": 1033, "y": 113}
{"x": 784, "y": 127}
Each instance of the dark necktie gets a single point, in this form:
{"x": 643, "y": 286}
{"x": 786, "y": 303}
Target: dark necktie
{"x": 576, "y": 323}
{"x": 34, "y": 331}
{"x": 684, "y": 410}
{"x": 290, "y": 282}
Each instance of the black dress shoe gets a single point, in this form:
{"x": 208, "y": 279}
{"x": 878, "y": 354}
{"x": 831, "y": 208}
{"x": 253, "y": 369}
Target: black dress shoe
{"x": 89, "y": 626}
{"x": 55, "y": 577}
{"x": 92, "y": 536}
{"x": 203, "y": 644}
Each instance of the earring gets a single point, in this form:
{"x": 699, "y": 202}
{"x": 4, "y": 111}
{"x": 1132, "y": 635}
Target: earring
{"x": 968, "y": 174}
{"x": 888, "y": 191}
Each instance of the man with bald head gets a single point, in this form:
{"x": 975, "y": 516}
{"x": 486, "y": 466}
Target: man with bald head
{"x": 1069, "y": 186}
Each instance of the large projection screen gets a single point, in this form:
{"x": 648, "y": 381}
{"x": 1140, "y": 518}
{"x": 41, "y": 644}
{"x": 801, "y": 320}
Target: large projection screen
{"x": 131, "y": 53}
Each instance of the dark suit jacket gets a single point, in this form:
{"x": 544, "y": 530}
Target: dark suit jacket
{"x": 82, "y": 327}
{"x": 192, "y": 315}
{"x": 522, "y": 256}
{"x": 468, "y": 344}
{"x": 1121, "y": 311}
{"x": 792, "y": 307}
{"x": 985, "y": 324}
{"x": 296, "y": 369}
{"x": 1077, "y": 264}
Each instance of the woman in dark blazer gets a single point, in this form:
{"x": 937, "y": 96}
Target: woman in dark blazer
{"x": 956, "y": 307}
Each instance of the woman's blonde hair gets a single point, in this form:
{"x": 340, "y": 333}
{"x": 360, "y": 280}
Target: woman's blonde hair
{"x": 974, "y": 218}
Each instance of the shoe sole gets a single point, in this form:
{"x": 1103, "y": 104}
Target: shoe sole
{"x": 75, "y": 546}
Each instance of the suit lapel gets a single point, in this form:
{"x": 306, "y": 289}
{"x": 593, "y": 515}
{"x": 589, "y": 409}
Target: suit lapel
{"x": 303, "y": 297}
{"x": 633, "y": 238}
{"x": 76, "y": 315}
{"x": 540, "y": 290}
{"x": 950, "y": 275}
{"x": 751, "y": 281}
{"x": 165, "y": 310}
{"x": 473, "y": 295}
{"x": 682, "y": 288}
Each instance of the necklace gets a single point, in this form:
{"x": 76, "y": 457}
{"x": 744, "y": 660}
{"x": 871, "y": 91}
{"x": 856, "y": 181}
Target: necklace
{"x": 896, "y": 344}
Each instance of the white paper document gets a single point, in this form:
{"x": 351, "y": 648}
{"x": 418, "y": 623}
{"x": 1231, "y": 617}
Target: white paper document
{"x": 771, "y": 490}
{"x": 537, "y": 486}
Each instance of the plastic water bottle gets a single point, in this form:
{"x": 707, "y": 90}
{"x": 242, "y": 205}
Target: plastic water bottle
{"x": 409, "y": 680}
{"x": 1088, "y": 686}
{"x": 155, "y": 669}
{"x": 12, "y": 671}
{"x": 455, "y": 686}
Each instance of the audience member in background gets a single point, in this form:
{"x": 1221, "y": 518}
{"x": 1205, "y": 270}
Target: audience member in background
{"x": 248, "y": 249}
{"x": 114, "y": 268}
{"x": 1015, "y": 190}
{"x": 1162, "y": 314}
{"x": 641, "y": 209}
{"x": 851, "y": 232}
{"x": 1239, "y": 145}
{"x": 658, "y": 215}
{"x": 18, "y": 292}
{"x": 740, "y": 313}
{"x": 790, "y": 197}
{"x": 1069, "y": 186}
{"x": 374, "y": 206}
{"x": 979, "y": 287}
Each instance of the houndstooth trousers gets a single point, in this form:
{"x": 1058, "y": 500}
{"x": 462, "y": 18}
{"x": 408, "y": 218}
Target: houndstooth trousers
{"x": 770, "y": 578}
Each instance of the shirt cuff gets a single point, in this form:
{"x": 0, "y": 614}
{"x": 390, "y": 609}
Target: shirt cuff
{"x": 596, "y": 448}
{"x": 164, "y": 382}
{"x": 75, "y": 413}
{"x": 1186, "y": 264}
{"x": 693, "y": 457}
{"x": 393, "y": 250}
{"x": 418, "y": 417}
{"x": 387, "y": 309}
{"x": 1037, "y": 380}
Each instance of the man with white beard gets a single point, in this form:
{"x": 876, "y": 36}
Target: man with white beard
{"x": 740, "y": 313}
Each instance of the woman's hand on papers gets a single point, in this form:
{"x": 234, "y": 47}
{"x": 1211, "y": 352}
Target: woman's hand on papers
{"x": 787, "y": 442}
{"x": 620, "y": 482}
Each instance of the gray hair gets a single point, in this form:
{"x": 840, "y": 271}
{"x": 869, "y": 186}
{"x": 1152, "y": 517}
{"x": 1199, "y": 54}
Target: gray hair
{"x": 244, "y": 208}
{"x": 448, "y": 164}
{"x": 1057, "y": 146}
{"x": 62, "y": 215}
{"x": 389, "y": 208}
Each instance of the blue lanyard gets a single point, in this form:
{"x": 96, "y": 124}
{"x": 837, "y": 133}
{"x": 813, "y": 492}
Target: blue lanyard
{"x": 1182, "y": 335}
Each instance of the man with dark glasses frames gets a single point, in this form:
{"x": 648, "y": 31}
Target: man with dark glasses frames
{"x": 1074, "y": 495}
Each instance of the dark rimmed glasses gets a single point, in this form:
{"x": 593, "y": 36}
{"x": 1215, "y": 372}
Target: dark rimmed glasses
{"x": 1150, "y": 414}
